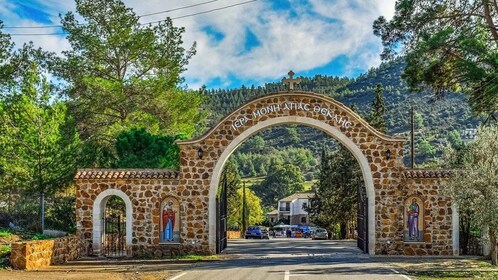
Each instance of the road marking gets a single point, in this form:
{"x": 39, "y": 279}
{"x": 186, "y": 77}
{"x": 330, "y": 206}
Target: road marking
{"x": 402, "y": 275}
{"x": 287, "y": 275}
{"x": 178, "y": 276}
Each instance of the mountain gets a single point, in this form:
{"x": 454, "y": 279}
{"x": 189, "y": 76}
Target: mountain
{"x": 435, "y": 120}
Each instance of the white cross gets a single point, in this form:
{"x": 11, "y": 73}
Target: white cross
{"x": 291, "y": 81}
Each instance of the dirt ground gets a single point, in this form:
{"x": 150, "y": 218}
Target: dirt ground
{"x": 103, "y": 269}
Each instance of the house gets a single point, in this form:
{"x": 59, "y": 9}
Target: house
{"x": 273, "y": 217}
{"x": 291, "y": 209}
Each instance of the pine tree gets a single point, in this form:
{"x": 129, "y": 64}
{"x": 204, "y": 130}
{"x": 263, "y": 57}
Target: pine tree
{"x": 38, "y": 139}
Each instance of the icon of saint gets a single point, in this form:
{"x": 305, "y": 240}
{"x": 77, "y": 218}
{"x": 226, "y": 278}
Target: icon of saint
{"x": 413, "y": 211}
{"x": 168, "y": 222}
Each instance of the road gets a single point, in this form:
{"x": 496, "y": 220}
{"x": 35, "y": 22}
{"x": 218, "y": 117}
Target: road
{"x": 292, "y": 259}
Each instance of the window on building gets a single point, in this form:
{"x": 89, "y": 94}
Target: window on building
{"x": 305, "y": 205}
{"x": 303, "y": 220}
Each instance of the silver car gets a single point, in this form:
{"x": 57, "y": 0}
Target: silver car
{"x": 320, "y": 233}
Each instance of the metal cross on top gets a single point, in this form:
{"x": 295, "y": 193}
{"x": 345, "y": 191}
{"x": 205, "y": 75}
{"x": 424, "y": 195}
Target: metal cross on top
{"x": 291, "y": 81}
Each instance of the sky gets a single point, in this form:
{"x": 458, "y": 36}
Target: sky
{"x": 251, "y": 42}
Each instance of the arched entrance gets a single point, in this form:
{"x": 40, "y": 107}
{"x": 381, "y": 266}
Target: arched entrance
{"x": 112, "y": 220}
{"x": 379, "y": 156}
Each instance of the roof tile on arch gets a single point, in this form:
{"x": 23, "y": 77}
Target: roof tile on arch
{"x": 427, "y": 173}
{"x": 97, "y": 174}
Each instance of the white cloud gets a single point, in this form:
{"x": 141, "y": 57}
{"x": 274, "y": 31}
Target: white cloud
{"x": 309, "y": 36}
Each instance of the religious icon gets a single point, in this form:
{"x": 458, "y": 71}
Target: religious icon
{"x": 414, "y": 220}
{"x": 170, "y": 231}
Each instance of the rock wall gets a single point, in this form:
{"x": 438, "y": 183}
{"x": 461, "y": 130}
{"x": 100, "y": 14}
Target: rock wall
{"x": 146, "y": 189}
{"x": 437, "y": 214}
{"x": 42, "y": 253}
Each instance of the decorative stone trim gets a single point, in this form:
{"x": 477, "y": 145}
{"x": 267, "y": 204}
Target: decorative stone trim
{"x": 422, "y": 173}
{"x": 126, "y": 174}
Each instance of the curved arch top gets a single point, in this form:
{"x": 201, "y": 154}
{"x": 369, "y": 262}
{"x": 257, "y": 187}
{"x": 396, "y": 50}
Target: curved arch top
{"x": 278, "y": 97}
{"x": 98, "y": 213}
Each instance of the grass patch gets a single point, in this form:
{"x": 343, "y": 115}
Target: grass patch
{"x": 8, "y": 235}
{"x": 4, "y": 250}
{"x": 197, "y": 257}
{"x": 5, "y": 232}
{"x": 455, "y": 275}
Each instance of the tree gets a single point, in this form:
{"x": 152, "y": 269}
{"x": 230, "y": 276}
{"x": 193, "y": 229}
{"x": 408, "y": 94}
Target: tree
{"x": 38, "y": 138}
{"x": 377, "y": 115}
{"x": 5, "y": 52}
{"x": 281, "y": 181}
{"x": 231, "y": 176}
{"x": 336, "y": 191}
{"x": 449, "y": 46}
{"x": 474, "y": 188}
{"x": 137, "y": 148}
{"x": 122, "y": 74}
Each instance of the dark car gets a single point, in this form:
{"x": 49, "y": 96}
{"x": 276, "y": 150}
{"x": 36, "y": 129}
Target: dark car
{"x": 320, "y": 233}
{"x": 257, "y": 232}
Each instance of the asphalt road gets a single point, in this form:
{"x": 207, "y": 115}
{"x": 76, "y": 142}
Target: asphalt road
{"x": 292, "y": 259}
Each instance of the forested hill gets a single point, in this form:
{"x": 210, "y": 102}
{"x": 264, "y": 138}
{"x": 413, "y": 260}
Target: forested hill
{"x": 437, "y": 121}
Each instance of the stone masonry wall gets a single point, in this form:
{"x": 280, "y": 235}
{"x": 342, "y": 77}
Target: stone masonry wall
{"x": 146, "y": 189}
{"x": 390, "y": 199}
{"x": 42, "y": 253}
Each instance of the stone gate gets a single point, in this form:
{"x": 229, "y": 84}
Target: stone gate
{"x": 407, "y": 215}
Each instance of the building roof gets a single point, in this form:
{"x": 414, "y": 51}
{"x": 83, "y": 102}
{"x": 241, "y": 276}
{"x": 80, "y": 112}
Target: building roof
{"x": 305, "y": 195}
{"x": 274, "y": 212}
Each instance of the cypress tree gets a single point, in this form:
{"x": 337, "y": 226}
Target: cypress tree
{"x": 377, "y": 116}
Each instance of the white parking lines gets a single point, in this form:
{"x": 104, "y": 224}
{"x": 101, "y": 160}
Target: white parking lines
{"x": 402, "y": 275}
{"x": 286, "y": 275}
{"x": 178, "y": 276}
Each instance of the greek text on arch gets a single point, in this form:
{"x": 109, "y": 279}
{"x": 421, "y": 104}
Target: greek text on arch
{"x": 239, "y": 122}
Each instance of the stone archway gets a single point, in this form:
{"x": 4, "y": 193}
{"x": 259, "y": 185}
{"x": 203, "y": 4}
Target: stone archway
{"x": 387, "y": 181}
{"x": 205, "y": 157}
{"x": 99, "y": 205}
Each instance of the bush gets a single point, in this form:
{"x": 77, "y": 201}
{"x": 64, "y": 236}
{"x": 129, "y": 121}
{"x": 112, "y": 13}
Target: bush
{"x": 61, "y": 214}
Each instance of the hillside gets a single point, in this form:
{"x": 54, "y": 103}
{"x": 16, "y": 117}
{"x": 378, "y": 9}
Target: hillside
{"x": 434, "y": 119}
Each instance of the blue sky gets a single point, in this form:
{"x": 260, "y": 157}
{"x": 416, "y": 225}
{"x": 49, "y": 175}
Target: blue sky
{"x": 252, "y": 43}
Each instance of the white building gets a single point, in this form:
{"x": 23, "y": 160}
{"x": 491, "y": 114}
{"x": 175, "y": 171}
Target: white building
{"x": 291, "y": 208}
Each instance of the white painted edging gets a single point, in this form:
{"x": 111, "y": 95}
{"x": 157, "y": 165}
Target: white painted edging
{"x": 331, "y": 131}
{"x": 98, "y": 213}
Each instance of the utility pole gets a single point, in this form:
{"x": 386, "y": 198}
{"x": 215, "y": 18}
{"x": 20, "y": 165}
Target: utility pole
{"x": 244, "y": 222}
{"x": 412, "y": 138}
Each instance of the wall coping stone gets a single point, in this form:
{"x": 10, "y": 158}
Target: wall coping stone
{"x": 96, "y": 174}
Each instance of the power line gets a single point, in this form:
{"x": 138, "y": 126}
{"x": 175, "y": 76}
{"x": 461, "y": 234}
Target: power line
{"x": 152, "y": 22}
{"x": 177, "y": 9}
{"x": 213, "y": 10}
{"x": 145, "y": 15}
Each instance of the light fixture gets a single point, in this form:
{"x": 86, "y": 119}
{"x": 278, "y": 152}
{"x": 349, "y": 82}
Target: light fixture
{"x": 388, "y": 154}
{"x": 200, "y": 153}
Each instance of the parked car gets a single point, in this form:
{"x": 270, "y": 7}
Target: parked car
{"x": 257, "y": 232}
{"x": 320, "y": 233}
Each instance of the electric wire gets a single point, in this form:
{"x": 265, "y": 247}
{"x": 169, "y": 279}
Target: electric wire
{"x": 142, "y": 24}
